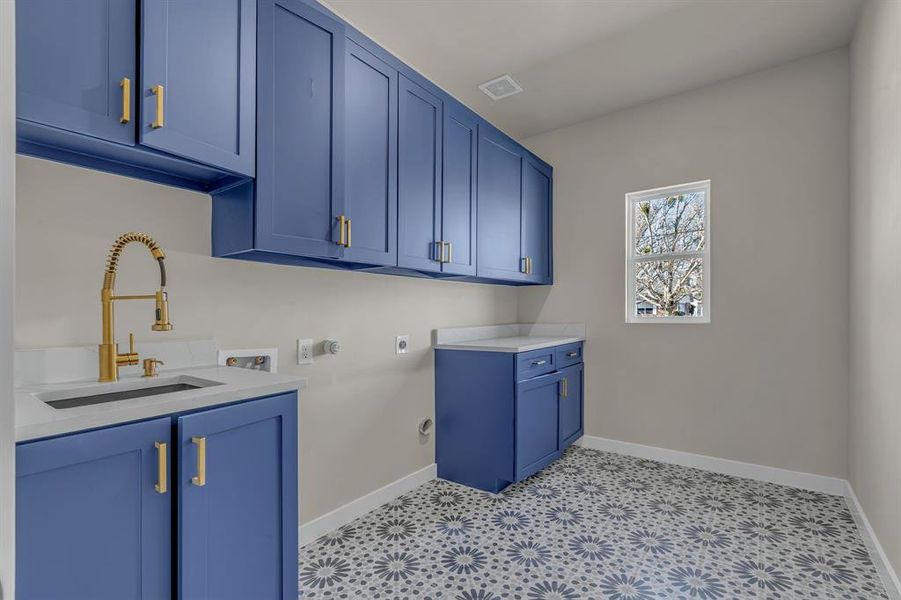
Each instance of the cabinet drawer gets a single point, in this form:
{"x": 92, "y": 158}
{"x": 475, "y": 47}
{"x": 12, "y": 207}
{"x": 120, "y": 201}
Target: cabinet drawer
{"x": 534, "y": 363}
{"x": 570, "y": 354}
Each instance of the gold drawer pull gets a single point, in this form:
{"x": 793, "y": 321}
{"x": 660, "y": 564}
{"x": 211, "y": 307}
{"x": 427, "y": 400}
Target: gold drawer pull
{"x": 342, "y": 231}
{"x": 349, "y": 233}
{"x": 125, "y": 84}
{"x": 200, "y": 479}
{"x": 572, "y": 354}
{"x": 162, "y": 467}
{"x": 159, "y": 91}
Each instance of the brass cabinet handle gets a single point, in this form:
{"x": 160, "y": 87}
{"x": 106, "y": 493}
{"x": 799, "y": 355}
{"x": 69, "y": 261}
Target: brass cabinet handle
{"x": 538, "y": 363}
{"x": 342, "y": 240}
{"x": 439, "y": 251}
{"x": 349, "y": 233}
{"x": 529, "y": 265}
{"x": 572, "y": 354}
{"x": 450, "y": 252}
{"x": 200, "y": 479}
{"x": 160, "y": 93}
{"x": 565, "y": 387}
{"x": 125, "y": 84}
{"x": 162, "y": 467}
{"x": 524, "y": 266}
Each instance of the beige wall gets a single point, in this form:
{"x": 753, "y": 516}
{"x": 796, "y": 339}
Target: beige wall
{"x": 767, "y": 381}
{"x": 360, "y": 413}
{"x": 7, "y": 247}
{"x": 875, "y": 443}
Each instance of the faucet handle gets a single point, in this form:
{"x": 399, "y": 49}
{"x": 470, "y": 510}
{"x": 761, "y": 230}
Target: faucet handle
{"x": 150, "y": 367}
{"x": 131, "y": 342}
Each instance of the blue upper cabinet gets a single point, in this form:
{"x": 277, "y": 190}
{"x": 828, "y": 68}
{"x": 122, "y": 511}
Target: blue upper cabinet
{"x": 536, "y": 221}
{"x": 500, "y": 207}
{"x": 237, "y": 501}
{"x": 420, "y": 126}
{"x": 93, "y": 515}
{"x": 75, "y": 66}
{"x": 300, "y": 201}
{"x": 198, "y": 62}
{"x": 458, "y": 205}
{"x": 371, "y": 158}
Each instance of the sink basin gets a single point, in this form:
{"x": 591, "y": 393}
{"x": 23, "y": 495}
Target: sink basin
{"x": 114, "y": 392}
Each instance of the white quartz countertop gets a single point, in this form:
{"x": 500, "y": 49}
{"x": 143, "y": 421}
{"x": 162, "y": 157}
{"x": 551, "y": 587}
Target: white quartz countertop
{"x": 510, "y": 344}
{"x": 36, "y": 419}
{"x": 516, "y": 337}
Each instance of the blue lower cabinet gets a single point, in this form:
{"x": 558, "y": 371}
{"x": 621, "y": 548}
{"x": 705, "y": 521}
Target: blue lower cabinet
{"x": 93, "y": 515}
{"x": 195, "y": 506}
{"x": 501, "y": 417}
{"x": 237, "y": 504}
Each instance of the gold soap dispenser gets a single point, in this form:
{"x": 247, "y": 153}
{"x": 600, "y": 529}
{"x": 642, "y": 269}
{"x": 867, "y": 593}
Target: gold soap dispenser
{"x": 110, "y": 358}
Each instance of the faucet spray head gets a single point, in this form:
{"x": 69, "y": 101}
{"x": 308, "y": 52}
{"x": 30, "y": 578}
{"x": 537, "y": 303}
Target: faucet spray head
{"x": 162, "y": 312}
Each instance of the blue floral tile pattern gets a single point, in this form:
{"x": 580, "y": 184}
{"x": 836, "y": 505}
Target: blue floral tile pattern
{"x": 598, "y": 525}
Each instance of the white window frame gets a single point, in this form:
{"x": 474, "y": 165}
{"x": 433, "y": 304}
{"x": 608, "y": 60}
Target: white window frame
{"x": 632, "y": 258}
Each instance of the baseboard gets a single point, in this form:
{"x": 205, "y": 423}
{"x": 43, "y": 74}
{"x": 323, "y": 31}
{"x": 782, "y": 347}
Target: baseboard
{"x": 807, "y": 481}
{"x": 883, "y": 566}
{"x": 343, "y": 515}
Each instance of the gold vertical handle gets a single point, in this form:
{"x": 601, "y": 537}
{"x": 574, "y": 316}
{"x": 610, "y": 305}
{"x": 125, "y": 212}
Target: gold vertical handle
{"x": 160, "y": 92}
{"x": 200, "y": 479}
{"x": 349, "y": 233}
{"x": 342, "y": 231}
{"x": 565, "y": 387}
{"x": 524, "y": 266}
{"x": 450, "y": 252}
{"x": 125, "y": 84}
{"x": 528, "y": 265}
{"x": 439, "y": 251}
{"x": 162, "y": 467}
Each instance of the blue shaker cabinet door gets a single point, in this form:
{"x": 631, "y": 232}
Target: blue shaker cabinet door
{"x": 536, "y": 423}
{"x": 237, "y": 501}
{"x": 571, "y": 405}
{"x": 458, "y": 204}
{"x": 300, "y": 130}
{"x": 203, "y": 55}
{"x": 71, "y": 58}
{"x": 536, "y": 221}
{"x": 371, "y": 151}
{"x": 500, "y": 207}
{"x": 90, "y": 522}
{"x": 419, "y": 177}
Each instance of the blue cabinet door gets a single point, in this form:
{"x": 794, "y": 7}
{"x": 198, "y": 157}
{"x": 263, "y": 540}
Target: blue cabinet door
{"x": 300, "y": 130}
{"x": 237, "y": 501}
{"x": 371, "y": 151}
{"x": 536, "y": 221}
{"x": 500, "y": 207}
{"x": 71, "y": 58}
{"x": 536, "y": 423}
{"x": 458, "y": 203}
{"x": 203, "y": 55}
{"x": 91, "y": 521}
{"x": 571, "y": 405}
{"x": 418, "y": 177}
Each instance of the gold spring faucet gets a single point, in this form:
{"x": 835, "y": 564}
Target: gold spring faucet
{"x": 110, "y": 359}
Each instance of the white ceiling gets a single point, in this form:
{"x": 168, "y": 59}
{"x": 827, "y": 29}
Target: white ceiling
{"x": 578, "y": 59}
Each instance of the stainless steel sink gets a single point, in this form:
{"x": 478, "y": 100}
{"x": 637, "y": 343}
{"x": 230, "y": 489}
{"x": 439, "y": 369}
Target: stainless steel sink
{"x": 125, "y": 390}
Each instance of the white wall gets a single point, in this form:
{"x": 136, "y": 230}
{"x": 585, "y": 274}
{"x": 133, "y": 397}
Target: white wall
{"x": 358, "y": 418}
{"x": 7, "y": 247}
{"x": 875, "y": 444}
{"x": 767, "y": 381}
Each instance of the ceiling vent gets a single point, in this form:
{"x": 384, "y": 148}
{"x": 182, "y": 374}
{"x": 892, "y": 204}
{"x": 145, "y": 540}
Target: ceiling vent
{"x": 501, "y": 87}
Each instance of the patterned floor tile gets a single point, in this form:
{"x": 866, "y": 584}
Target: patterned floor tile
{"x": 598, "y": 525}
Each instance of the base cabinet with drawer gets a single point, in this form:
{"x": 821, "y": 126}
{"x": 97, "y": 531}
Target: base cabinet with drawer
{"x": 502, "y": 416}
{"x": 192, "y": 506}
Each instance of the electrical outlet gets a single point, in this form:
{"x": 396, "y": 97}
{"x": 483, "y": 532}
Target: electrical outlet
{"x": 304, "y": 352}
{"x": 402, "y": 344}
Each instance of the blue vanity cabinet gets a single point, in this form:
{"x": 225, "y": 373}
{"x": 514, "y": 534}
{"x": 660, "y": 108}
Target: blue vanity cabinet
{"x": 500, "y": 179}
{"x": 92, "y": 519}
{"x": 502, "y": 416}
{"x": 536, "y": 221}
{"x": 459, "y": 186}
{"x": 237, "y": 501}
{"x": 198, "y": 80}
{"x": 300, "y": 133}
{"x": 71, "y": 61}
{"x": 419, "y": 143}
{"x": 371, "y": 158}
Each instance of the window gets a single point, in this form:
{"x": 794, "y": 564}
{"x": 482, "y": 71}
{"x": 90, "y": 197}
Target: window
{"x": 668, "y": 254}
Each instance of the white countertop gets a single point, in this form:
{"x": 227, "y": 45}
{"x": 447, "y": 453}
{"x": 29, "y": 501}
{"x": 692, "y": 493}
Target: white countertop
{"x": 511, "y": 344}
{"x": 36, "y": 419}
